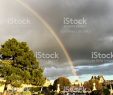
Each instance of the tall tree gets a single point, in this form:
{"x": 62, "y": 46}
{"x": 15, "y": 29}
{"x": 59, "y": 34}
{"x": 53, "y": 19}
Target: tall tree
{"x": 19, "y": 65}
{"x": 63, "y": 81}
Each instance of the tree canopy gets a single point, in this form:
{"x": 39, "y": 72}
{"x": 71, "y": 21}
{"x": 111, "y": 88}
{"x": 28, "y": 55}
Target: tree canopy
{"x": 19, "y": 65}
{"x": 89, "y": 84}
{"x": 63, "y": 81}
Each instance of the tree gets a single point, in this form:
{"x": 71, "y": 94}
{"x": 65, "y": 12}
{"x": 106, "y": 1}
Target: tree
{"x": 19, "y": 65}
{"x": 106, "y": 91}
{"x": 63, "y": 81}
{"x": 89, "y": 84}
{"x": 97, "y": 92}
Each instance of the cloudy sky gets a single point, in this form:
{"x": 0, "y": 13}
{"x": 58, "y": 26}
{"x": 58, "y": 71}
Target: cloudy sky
{"x": 79, "y": 42}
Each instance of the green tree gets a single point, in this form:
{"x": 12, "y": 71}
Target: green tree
{"x": 63, "y": 81}
{"x": 19, "y": 65}
{"x": 106, "y": 91}
{"x": 97, "y": 92}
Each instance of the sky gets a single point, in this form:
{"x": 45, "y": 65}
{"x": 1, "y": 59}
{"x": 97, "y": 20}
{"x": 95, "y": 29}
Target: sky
{"x": 79, "y": 40}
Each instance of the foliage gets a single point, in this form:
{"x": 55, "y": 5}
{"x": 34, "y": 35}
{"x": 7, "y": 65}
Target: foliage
{"x": 106, "y": 91}
{"x": 89, "y": 84}
{"x": 26, "y": 93}
{"x": 63, "y": 81}
{"x": 19, "y": 64}
{"x": 97, "y": 92}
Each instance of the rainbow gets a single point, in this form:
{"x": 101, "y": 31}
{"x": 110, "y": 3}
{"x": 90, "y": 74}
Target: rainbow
{"x": 52, "y": 32}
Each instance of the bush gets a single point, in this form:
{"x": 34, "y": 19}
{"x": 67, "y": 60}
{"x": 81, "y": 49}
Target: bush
{"x": 26, "y": 93}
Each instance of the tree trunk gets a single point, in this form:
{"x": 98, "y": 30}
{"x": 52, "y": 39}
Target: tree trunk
{"x": 5, "y": 89}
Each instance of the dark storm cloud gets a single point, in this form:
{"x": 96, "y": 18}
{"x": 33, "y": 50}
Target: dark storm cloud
{"x": 80, "y": 45}
{"x": 104, "y": 69}
{"x": 54, "y": 72}
{"x": 98, "y": 14}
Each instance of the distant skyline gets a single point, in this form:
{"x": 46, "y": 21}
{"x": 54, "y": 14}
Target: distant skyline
{"x": 79, "y": 39}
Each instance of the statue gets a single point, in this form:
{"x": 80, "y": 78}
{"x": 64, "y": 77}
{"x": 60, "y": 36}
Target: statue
{"x": 58, "y": 88}
{"x": 94, "y": 87}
